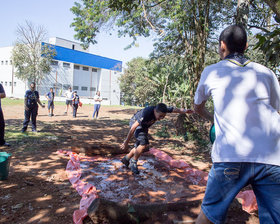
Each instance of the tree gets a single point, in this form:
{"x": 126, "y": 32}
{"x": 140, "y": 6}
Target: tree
{"x": 180, "y": 27}
{"x": 135, "y": 84}
{"x": 30, "y": 57}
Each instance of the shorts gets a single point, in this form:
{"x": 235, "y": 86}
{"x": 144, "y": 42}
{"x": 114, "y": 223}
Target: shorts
{"x": 225, "y": 180}
{"x": 69, "y": 102}
{"x": 50, "y": 104}
{"x": 141, "y": 136}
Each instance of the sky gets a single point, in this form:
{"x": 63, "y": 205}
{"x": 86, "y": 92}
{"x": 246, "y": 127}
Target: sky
{"x": 56, "y": 17}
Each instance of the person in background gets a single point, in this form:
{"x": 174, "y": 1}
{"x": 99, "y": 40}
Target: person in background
{"x": 69, "y": 99}
{"x": 31, "y": 101}
{"x": 139, "y": 127}
{"x": 97, "y": 103}
{"x": 50, "y": 98}
{"x": 2, "y": 121}
{"x": 76, "y": 102}
{"x": 246, "y": 151}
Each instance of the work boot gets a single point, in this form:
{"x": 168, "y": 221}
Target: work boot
{"x": 125, "y": 161}
{"x": 133, "y": 166}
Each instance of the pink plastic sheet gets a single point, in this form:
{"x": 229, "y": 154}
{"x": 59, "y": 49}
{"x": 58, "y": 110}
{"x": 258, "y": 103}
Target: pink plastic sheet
{"x": 88, "y": 192}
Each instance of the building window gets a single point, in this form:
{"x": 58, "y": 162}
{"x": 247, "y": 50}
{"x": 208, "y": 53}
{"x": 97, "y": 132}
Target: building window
{"x": 76, "y": 67}
{"x": 85, "y": 68}
{"x": 15, "y": 83}
{"x": 54, "y": 63}
{"x": 10, "y": 83}
{"x": 75, "y": 87}
{"x": 66, "y": 86}
{"x": 94, "y": 70}
{"x": 1, "y": 82}
{"x": 6, "y": 62}
{"x": 73, "y": 47}
{"x": 2, "y": 62}
{"x": 11, "y": 62}
{"x": 6, "y": 83}
{"x": 104, "y": 98}
{"x": 66, "y": 65}
{"x": 92, "y": 89}
{"x": 84, "y": 88}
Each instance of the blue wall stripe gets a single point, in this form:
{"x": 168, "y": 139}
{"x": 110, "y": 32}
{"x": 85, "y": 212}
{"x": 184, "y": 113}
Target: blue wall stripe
{"x": 87, "y": 59}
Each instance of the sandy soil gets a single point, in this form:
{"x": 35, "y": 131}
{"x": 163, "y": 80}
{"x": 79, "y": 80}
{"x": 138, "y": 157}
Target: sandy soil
{"x": 38, "y": 191}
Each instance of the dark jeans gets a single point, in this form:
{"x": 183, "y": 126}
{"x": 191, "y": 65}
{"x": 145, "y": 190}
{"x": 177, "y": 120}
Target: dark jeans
{"x": 27, "y": 114}
{"x": 96, "y": 110}
{"x": 75, "y": 108}
{"x": 2, "y": 128}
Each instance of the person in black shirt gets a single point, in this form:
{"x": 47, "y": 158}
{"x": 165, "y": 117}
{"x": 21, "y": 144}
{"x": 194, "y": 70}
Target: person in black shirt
{"x": 139, "y": 126}
{"x": 75, "y": 104}
{"x": 2, "y": 121}
{"x": 31, "y": 101}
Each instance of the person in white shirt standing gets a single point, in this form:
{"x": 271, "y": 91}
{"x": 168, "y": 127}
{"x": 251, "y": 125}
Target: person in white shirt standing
{"x": 246, "y": 151}
{"x": 69, "y": 98}
{"x": 97, "y": 103}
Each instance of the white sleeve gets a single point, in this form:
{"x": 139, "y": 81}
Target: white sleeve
{"x": 201, "y": 93}
{"x": 275, "y": 93}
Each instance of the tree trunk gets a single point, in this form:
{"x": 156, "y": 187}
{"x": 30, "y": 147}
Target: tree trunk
{"x": 275, "y": 6}
{"x": 242, "y": 12}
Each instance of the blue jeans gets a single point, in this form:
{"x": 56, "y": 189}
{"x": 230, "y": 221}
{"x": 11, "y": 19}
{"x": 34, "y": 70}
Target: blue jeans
{"x": 96, "y": 110}
{"x": 225, "y": 180}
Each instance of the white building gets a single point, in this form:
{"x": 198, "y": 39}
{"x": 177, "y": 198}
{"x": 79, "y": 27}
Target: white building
{"x": 72, "y": 66}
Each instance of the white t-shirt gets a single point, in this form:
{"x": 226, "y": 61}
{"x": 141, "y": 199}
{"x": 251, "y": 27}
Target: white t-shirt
{"x": 69, "y": 95}
{"x": 96, "y": 97}
{"x": 246, "y": 101}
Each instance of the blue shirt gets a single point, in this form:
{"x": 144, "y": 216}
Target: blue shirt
{"x": 50, "y": 96}
{"x": 31, "y": 98}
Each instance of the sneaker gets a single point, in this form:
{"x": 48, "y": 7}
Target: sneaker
{"x": 6, "y": 144}
{"x": 125, "y": 161}
{"x": 133, "y": 166}
{"x": 65, "y": 113}
{"x": 50, "y": 115}
{"x": 34, "y": 130}
{"x": 23, "y": 130}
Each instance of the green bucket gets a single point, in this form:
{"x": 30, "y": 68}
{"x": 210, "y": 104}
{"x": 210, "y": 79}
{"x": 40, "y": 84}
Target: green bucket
{"x": 4, "y": 165}
{"x": 212, "y": 134}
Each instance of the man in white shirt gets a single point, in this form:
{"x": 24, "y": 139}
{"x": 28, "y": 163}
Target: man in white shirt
{"x": 97, "y": 103}
{"x": 69, "y": 98}
{"x": 246, "y": 98}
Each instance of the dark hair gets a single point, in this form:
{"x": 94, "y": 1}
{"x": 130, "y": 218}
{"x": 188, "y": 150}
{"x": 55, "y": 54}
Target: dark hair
{"x": 161, "y": 107}
{"x": 235, "y": 38}
{"x": 33, "y": 83}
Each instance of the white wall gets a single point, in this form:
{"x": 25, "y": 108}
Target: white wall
{"x": 12, "y": 85}
{"x": 67, "y": 44}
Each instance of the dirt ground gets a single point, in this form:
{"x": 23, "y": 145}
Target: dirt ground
{"x": 38, "y": 190}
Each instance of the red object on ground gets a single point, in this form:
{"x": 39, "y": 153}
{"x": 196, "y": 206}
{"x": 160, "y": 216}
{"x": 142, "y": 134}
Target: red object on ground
{"x": 88, "y": 192}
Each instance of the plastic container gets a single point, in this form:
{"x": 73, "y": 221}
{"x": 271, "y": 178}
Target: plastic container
{"x": 212, "y": 134}
{"x": 4, "y": 165}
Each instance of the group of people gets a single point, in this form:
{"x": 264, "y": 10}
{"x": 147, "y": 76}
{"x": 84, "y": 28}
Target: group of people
{"x": 32, "y": 100}
{"x": 246, "y": 151}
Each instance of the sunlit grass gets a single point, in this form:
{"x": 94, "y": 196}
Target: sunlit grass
{"x": 27, "y": 140}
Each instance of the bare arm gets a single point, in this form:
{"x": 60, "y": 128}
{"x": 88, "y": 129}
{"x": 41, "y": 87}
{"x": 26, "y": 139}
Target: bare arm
{"x": 182, "y": 111}
{"x": 39, "y": 102}
{"x": 129, "y": 135}
{"x": 2, "y": 95}
{"x": 203, "y": 112}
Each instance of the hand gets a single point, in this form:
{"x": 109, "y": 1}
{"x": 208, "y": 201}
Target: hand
{"x": 124, "y": 146}
{"x": 26, "y": 108}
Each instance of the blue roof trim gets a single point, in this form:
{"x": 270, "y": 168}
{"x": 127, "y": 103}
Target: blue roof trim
{"x": 83, "y": 58}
